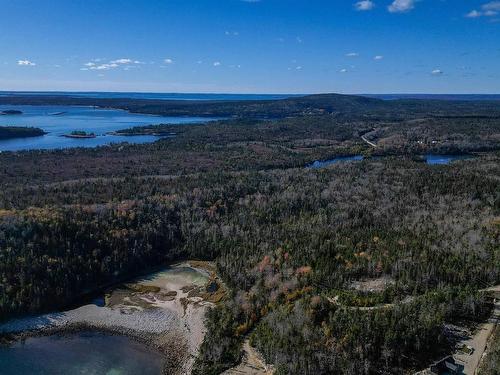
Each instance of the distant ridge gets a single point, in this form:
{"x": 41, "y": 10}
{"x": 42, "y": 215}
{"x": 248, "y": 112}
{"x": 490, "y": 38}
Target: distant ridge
{"x": 318, "y": 104}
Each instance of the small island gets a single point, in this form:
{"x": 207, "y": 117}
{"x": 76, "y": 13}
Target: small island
{"x": 11, "y": 132}
{"x": 79, "y": 134}
{"x": 11, "y": 112}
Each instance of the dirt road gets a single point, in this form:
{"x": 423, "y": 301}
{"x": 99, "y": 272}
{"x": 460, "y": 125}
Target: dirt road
{"x": 251, "y": 364}
{"x": 479, "y": 342}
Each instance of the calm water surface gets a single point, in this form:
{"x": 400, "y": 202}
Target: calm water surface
{"x": 153, "y": 95}
{"x": 340, "y": 159}
{"x": 60, "y": 120}
{"x": 444, "y": 159}
{"x": 82, "y": 353}
{"x": 431, "y": 159}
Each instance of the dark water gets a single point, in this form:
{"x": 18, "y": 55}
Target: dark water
{"x": 431, "y": 159}
{"x": 467, "y": 97}
{"x": 152, "y": 95}
{"x": 59, "y": 120}
{"x": 340, "y": 159}
{"x": 82, "y": 353}
{"x": 444, "y": 159}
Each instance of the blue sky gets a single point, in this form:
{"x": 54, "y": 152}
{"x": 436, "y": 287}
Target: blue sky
{"x": 266, "y": 46}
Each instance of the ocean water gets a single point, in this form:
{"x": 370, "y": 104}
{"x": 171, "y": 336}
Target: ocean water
{"x": 60, "y": 120}
{"x": 156, "y": 96}
{"x": 459, "y": 97}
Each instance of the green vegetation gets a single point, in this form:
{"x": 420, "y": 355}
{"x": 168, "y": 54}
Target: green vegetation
{"x": 156, "y": 130}
{"x": 290, "y": 242}
{"x": 80, "y": 134}
{"x": 11, "y": 132}
{"x": 242, "y": 145}
{"x": 345, "y": 105}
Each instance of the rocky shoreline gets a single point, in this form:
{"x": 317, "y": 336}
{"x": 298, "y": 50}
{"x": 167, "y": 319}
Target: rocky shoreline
{"x": 147, "y": 311}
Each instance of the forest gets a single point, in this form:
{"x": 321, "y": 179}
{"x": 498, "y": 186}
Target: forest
{"x": 10, "y": 132}
{"x": 356, "y": 268}
{"x": 351, "y": 105}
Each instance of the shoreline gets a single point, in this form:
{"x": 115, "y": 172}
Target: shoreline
{"x": 171, "y": 325}
{"x": 171, "y": 355}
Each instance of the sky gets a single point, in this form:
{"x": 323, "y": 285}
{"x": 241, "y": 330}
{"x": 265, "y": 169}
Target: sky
{"x": 251, "y": 46}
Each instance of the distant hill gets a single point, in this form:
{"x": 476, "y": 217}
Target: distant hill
{"x": 338, "y": 104}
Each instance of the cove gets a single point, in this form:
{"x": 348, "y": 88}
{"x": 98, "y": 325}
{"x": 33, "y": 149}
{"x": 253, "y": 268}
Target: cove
{"x": 165, "y": 308}
{"x": 58, "y": 121}
{"x": 79, "y": 353}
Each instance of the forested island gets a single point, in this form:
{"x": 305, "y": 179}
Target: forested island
{"x": 362, "y": 267}
{"x": 11, "y": 112}
{"x": 155, "y": 130}
{"x": 11, "y": 132}
{"x": 79, "y": 134}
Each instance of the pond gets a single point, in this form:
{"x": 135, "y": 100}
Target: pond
{"x": 80, "y": 353}
{"x": 61, "y": 120}
{"x": 433, "y": 159}
{"x": 339, "y": 159}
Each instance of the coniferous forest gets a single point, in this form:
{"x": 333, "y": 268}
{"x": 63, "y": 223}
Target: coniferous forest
{"x": 355, "y": 268}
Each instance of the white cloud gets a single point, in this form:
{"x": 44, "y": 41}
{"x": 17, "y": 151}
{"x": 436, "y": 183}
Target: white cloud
{"x": 343, "y": 70}
{"x": 121, "y": 61}
{"x": 233, "y": 33}
{"x": 104, "y": 66}
{"x": 298, "y": 68}
{"x": 437, "y": 72}
{"x": 378, "y": 57}
{"x": 364, "y": 5}
{"x": 299, "y": 39}
{"x": 168, "y": 61}
{"x": 490, "y": 9}
{"x": 91, "y": 66}
{"x": 352, "y": 54}
{"x": 25, "y": 63}
{"x": 401, "y": 6}
{"x": 473, "y": 14}
{"x": 217, "y": 63}
{"x": 95, "y": 64}
{"x": 493, "y": 6}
